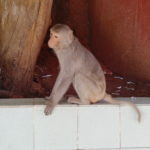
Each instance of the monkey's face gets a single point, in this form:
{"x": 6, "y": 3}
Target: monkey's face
{"x": 60, "y": 39}
{"x": 54, "y": 40}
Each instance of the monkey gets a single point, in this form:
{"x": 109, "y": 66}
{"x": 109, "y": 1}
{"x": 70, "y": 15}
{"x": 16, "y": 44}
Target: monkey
{"x": 78, "y": 66}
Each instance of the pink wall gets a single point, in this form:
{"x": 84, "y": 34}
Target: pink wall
{"x": 120, "y": 32}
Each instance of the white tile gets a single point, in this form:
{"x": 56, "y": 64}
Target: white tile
{"x": 57, "y": 131}
{"x": 136, "y": 100}
{"x": 39, "y": 101}
{"x": 101, "y": 149}
{"x": 98, "y": 127}
{"x": 16, "y": 128}
{"x": 104, "y": 149}
{"x": 133, "y": 133}
{"x": 136, "y": 149}
{"x": 16, "y": 102}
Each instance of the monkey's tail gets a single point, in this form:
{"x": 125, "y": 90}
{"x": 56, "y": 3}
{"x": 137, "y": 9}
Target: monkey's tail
{"x": 108, "y": 98}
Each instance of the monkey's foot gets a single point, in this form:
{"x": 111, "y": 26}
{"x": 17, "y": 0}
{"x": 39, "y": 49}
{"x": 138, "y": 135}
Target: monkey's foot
{"x": 74, "y": 100}
{"x": 49, "y": 108}
{"x": 47, "y": 98}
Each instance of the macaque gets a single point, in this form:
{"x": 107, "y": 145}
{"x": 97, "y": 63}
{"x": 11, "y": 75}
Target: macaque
{"x": 79, "y": 67}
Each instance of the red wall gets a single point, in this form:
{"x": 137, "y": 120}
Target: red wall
{"x": 75, "y": 14}
{"x": 120, "y": 38}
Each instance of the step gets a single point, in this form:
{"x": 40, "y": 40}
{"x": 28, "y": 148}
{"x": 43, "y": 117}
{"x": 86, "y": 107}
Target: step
{"x": 103, "y": 126}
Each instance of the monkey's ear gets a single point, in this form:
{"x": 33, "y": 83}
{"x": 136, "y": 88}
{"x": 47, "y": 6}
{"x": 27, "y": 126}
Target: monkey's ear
{"x": 71, "y": 36}
{"x": 70, "y": 32}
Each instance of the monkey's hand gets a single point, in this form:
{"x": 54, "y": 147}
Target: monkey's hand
{"x": 47, "y": 98}
{"x": 49, "y": 108}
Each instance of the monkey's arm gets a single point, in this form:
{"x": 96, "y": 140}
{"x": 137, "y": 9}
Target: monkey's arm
{"x": 62, "y": 84}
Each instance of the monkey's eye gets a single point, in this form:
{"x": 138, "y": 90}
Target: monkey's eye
{"x": 56, "y": 36}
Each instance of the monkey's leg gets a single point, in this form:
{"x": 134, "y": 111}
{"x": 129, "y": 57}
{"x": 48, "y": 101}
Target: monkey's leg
{"x": 47, "y": 98}
{"x": 85, "y": 102}
{"x": 74, "y": 100}
{"x": 87, "y": 89}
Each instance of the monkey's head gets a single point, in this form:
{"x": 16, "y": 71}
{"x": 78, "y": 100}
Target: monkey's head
{"x": 61, "y": 36}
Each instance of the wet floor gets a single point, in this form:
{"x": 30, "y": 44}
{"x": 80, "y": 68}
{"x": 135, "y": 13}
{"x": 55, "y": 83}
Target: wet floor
{"x": 47, "y": 69}
{"x": 123, "y": 87}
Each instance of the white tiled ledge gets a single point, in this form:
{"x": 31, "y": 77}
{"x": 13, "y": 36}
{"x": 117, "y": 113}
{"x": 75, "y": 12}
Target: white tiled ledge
{"x": 23, "y": 126}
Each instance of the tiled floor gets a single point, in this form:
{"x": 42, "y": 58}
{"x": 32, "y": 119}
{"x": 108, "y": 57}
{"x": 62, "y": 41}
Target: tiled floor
{"x": 23, "y": 126}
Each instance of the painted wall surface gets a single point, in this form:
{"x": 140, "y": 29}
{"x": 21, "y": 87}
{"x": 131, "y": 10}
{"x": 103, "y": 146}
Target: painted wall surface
{"x": 120, "y": 38}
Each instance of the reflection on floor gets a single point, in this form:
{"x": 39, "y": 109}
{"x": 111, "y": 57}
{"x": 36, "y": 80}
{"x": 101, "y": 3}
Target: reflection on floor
{"x": 47, "y": 69}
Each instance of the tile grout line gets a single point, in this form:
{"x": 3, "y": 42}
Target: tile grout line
{"x": 120, "y": 125}
{"x": 77, "y": 127}
{"x": 33, "y": 125}
{"x": 138, "y": 148}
